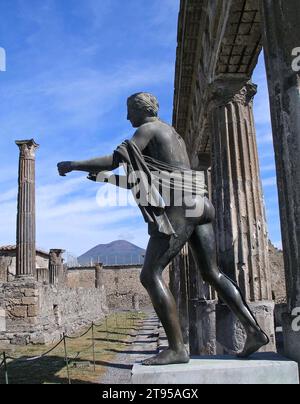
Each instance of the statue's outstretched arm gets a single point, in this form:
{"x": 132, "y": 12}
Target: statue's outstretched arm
{"x": 107, "y": 163}
{"x": 120, "y": 181}
{"x": 96, "y": 165}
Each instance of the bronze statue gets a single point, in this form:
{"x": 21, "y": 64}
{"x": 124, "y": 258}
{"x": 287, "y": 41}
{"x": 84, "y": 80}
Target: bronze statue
{"x": 156, "y": 144}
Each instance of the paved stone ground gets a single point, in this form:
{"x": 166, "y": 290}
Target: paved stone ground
{"x": 143, "y": 343}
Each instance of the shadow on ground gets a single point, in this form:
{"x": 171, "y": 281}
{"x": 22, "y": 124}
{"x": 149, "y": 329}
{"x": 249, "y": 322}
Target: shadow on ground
{"x": 42, "y": 371}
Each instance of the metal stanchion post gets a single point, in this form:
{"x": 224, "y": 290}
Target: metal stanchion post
{"x": 106, "y": 325}
{"x": 66, "y": 359}
{"x": 5, "y": 368}
{"x": 93, "y": 339}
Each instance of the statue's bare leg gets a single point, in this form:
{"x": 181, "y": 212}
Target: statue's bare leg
{"x": 159, "y": 253}
{"x": 203, "y": 245}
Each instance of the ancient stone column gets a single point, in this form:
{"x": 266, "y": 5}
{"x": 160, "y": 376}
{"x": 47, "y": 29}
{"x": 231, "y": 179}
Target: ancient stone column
{"x": 56, "y": 267}
{"x": 241, "y": 229}
{"x": 201, "y": 297}
{"x": 282, "y": 51}
{"x": 26, "y": 248}
{"x": 99, "y": 276}
{"x": 179, "y": 288}
{"x": 202, "y": 312}
{"x": 136, "y": 302}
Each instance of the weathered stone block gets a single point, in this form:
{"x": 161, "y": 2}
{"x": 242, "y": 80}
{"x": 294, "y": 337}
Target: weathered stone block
{"x": 15, "y": 302}
{"x": 231, "y": 336}
{"x": 33, "y": 311}
{"x": 32, "y": 321}
{"x": 31, "y": 292}
{"x": 19, "y": 311}
{"x": 20, "y": 339}
{"x": 29, "y": 300}
{"x": 291, "y": 337}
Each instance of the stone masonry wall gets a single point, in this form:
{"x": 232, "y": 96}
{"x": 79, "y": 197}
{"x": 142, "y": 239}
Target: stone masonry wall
{"x": 40, "y": 314}
{"x": 81, "y": 278}
{"x": 122, "y": 285}
{"x": 8, "y": 265}
{"x": 68, "y": 310}
{"x": 278, "y": 274}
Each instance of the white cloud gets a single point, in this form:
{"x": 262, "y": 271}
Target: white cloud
{"x": 67, "y": 220}
{"x": 8, "y": 195}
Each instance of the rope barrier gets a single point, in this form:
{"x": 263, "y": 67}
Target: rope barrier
{"x": 98, "y": 325}
{"x": 80, "y": 336}
{"x": 52, "y": 349}
{"x": 36, "y": 357}
{"x": 62, "y": 340}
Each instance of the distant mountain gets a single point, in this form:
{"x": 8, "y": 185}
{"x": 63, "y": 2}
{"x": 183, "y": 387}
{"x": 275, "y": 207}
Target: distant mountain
{"x": 116, "y": 253}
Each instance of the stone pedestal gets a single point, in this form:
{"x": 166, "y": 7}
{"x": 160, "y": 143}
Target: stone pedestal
{"x": 261, "y": 369}
{"x": 202, "y": 312}
{"x": 291, "y": 336}
{"x": 281, "y": 44}
{"x": 231, "y": 336}
{"x": 26, "y": 249}
{"x": 203, "y": 327}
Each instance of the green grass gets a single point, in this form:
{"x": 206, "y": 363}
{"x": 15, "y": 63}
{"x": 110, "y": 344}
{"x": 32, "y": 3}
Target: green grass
{"x": 111, "y": 336}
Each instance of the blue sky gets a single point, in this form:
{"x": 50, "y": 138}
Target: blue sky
{"x": 70, "y": 66}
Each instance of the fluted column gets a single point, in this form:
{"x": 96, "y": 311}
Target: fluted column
{"x": 241, "y": 228}
{"x": 281, "y": 30}
{"x": 237, "y": 191}
{"x": 56, "y": 267}
{"x": 26, "y": 248}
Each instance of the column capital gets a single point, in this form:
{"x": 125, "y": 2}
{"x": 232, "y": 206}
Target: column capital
{"x": 55, "y": 255}
{"x": 224, "y": 91}
{"x": 27, "y": 148}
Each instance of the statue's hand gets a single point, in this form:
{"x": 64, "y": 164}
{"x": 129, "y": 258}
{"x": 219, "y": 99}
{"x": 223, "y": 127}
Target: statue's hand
{"x": 92, "y": 177}
{"x": 64, "y": 168}
{"x": 99, "y": 177}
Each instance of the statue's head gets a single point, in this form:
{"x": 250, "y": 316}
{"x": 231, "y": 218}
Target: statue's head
{"x": 141, "y": 106}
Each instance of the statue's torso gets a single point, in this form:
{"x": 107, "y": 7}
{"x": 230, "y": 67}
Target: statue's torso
{"x": 167, "y": 146}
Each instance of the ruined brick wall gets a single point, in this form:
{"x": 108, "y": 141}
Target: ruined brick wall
{"x": 122, "y": 284}
{"x": 278, "y": 274}
{"x": 8, "y": 265}
{"x": 70, "y": 309}
{"x": 37, "y": 313}
{"x": 81, "y": 278}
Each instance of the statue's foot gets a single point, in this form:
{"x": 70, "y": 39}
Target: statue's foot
{"x": 168, "y": 357}
{"x": 253, "y": 343}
